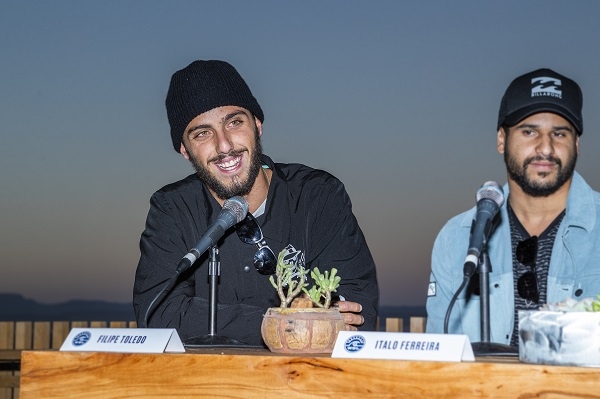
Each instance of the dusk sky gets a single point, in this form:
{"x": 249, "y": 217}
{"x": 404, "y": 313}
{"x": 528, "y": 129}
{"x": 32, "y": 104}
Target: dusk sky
{"x": 398, "y": 99}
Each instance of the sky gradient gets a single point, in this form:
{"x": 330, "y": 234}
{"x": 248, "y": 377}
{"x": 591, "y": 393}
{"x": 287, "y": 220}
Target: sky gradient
{"x": 398, "y": 99}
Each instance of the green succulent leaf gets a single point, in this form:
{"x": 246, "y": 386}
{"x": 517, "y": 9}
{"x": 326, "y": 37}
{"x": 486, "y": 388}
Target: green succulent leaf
{"x": 596, "y": 304}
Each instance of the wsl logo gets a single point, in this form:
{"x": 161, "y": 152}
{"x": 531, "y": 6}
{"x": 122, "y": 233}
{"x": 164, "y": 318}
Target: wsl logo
{"x": 82, "y": 338}
{"x": 546, "y": 87}
{"x": 354, "y": 343}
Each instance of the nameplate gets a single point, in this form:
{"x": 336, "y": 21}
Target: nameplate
{"x": 403, "y": 346}
{"x": 127, "y": 340}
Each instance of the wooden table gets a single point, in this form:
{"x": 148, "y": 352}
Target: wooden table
{"x": 226, "y": 373}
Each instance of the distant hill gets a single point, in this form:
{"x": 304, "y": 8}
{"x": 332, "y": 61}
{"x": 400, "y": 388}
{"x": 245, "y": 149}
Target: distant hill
{"x": 14, "y": 307}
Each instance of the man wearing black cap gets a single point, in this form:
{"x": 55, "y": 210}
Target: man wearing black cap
{"x": 216, "y": 124}
{"x": 546, "y": 244}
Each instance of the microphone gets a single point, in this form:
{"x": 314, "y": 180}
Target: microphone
{"x": 490, "y": 198}
{"x": 234, "y": 211}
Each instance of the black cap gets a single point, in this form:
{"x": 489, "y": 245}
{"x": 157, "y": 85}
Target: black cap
{"x": 542, "y": 90}
{"x": 202, "y": 86}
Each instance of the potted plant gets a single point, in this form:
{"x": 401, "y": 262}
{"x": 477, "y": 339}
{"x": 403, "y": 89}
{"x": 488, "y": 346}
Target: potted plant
{"x": 302, "y": 323}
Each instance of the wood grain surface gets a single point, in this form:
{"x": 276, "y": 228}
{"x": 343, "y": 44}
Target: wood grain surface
{"x": 227, "y": 374}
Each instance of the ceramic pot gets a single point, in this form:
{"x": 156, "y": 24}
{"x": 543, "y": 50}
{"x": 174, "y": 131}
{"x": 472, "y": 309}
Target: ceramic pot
{"x": 301, "y": 330}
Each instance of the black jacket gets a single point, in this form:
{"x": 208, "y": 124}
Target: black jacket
{"x": 306, "y": 208}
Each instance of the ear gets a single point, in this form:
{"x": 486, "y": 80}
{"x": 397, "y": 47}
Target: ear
{"x": 258, "y": 126}
{"x": 577, "y": 144}
{"x": 501, "y": 140}
{"x": 184, "y": 152}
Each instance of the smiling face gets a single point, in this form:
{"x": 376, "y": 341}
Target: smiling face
{"x": 540, "y": 153}
{"x": 223, "y": 144}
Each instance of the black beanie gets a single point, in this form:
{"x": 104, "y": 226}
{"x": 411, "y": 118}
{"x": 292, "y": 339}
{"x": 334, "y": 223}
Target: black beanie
{"x": 202, "y": 86}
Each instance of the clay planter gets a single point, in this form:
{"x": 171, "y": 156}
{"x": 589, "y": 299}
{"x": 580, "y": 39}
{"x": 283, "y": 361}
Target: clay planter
{"x": 301, "y": 330}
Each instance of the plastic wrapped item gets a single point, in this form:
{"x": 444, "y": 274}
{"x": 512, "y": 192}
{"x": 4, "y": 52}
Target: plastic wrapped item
{"x": 559, "y": 337}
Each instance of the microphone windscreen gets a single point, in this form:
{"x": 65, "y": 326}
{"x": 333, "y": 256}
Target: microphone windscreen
{"x": 491, "y": 190}
{"x": 238, "y": 206}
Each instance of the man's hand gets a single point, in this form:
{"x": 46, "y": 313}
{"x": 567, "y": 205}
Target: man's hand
{"x": 351, "y": 313}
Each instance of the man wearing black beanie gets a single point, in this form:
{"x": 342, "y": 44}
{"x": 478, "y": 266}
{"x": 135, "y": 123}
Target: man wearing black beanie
{"x": 217, "y": 124}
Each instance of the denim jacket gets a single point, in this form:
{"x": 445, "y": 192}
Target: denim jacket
{"x": 574, "y": 267}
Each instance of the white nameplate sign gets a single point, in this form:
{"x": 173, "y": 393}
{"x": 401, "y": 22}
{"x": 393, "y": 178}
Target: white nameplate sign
{"x": 403, "y": 346}
{"x": 128, "y": 340}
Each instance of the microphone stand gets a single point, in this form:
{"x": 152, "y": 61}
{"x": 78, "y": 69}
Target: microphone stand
{"x": 212, "y": 339}
{"x": 486, "y": 347}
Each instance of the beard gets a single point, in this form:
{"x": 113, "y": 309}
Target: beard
{"x": 238, "y": 186}
{"x": 518, "y": 173}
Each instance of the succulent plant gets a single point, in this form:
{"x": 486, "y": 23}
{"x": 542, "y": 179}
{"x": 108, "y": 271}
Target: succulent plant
{"x": 290, "y": 281}
{"x": 325, "y": 285}
{"x": 573, "y": 305}
{"x": 595, "y": 305}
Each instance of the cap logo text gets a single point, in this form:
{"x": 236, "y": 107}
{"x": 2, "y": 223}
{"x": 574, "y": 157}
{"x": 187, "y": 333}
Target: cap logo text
{"x": 546, "y": 87}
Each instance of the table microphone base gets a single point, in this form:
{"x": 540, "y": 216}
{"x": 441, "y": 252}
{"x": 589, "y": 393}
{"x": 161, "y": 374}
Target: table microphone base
{"x": 216, "y": 341}
{"x": 493, "y": 349}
